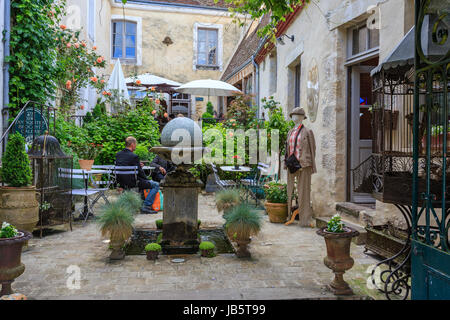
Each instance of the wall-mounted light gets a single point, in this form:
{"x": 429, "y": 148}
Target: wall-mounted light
{"x": 167, "y": 41}
{"x": 281, "y": 41}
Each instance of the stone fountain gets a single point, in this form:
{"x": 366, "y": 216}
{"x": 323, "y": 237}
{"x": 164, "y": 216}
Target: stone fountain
{"x": 182, "y": 144}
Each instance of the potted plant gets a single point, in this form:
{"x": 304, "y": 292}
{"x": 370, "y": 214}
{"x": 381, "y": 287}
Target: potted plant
{"x": 19, "y": 205}
{"x": 276, "y": 202}
{"x": 131, "y": 200}
{"x": 242, "y": 222}
{"x": 236, "y": 165}
{"x": 116, "y": 222}
{"x": 86, "y": 152}
{"x": 226, "y": 199}
{"x": 152, "y": 250}
{"x": 338, "y": 238}
{"x": 159, "y": 224}
{"x": 11, "y": 243}
{"x": 207, "y": 249}
{"x": 199, "y": 222}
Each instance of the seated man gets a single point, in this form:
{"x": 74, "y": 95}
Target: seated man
{"x": 127, "y": 157}
{"x": 162, "y": 167}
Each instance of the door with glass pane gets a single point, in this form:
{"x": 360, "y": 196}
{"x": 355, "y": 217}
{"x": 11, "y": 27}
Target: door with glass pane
{"x": 361, "y": 129}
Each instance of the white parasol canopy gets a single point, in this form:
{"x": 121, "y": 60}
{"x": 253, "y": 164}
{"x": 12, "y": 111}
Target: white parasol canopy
{"x": 148, "y": 79}
{"x": 117, "y": 82}
{"x": 208, "y": 87}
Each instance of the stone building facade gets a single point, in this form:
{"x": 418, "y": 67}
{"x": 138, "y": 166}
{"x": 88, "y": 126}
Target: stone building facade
{"x": 322, "y": 62}
{"x": 164, "y": 38}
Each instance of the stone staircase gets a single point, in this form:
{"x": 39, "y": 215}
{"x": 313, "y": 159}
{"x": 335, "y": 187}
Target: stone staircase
{"x": 355, "y": 216}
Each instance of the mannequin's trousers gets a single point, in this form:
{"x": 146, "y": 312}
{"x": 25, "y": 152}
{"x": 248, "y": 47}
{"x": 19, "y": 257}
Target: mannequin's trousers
{"x": 303, "y": 177}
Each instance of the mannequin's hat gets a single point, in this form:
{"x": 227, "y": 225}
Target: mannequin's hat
{"x": 299, "y": 111}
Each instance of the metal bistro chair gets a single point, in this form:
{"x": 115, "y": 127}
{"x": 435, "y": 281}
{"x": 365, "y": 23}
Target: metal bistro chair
{"x": 110, "y": 181}
{"x": 91, "y": 195}
{"x": 223, "y": 184}
{"x": 126, "y": 170}
{"x": 255, "y": 186}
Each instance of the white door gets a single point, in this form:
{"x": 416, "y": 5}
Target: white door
{"x": 361, "y": 134}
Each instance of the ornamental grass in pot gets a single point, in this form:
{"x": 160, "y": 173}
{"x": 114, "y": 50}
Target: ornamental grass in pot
{"x": 338, "y": 238}
{"x": 276, "y": 202}
{"x": 116, "y": 221}
{"x": 19, "y": 205}
{"x": 242, "y": 222}
{"x": 131, "y": 200}
{"x": 226, "y": 199}
{"x": 11, "y": 243}
{"x": 152, "y": 250}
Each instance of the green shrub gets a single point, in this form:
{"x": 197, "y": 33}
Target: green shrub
{"x": 152, "y": 247}
{"x": 206, "y": 245}
{"x": 243, "y": 220}
{"x": 159, "y": 238}
{"x": 143, "y": 153}
{"x": 210, "y": 107}
{"x": 335, "y": 224}
{"x": 8, "y": 231}
{"x": 116, "y": 221}
{"x": 16, "y": 169}
{"x": 159, "y": 224}
{"x": 199, "y": 222}
{"x": 276, "y": 192}
{"x": 226, "y": 199}
{"x": 130, "y": 200}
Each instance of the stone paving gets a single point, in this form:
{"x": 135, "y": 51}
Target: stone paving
{"x": 286, "y": 263}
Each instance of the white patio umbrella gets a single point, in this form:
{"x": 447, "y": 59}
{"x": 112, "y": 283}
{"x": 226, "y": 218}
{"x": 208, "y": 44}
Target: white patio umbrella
{"x": 208, "y": 87}
{"x": 148, "y": 79}
{"x": 117, "y": 82}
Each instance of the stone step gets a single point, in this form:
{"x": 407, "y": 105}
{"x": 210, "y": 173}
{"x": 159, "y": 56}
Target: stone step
{"x": 322, "y": 222}
{"x": 355, "y": 213}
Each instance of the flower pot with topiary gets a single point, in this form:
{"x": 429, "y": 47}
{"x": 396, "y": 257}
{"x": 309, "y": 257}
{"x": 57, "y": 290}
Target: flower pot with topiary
{"x": 159, "y": 224}
{"x": 116, "y": 221}
{"x": 19, "y": 205}
{"x": 86, "y": 152}
{"x": 11, "y": 243}
{"x": 242, "y": 222}
{"x": 152, "y": 250}
{"x": 276, "y": 202}
{"x": 338, "y": 238}
{"x": 207, "y": 249}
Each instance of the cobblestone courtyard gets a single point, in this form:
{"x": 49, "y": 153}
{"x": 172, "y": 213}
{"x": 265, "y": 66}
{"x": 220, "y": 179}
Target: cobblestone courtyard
{"x": 286, "y": 263}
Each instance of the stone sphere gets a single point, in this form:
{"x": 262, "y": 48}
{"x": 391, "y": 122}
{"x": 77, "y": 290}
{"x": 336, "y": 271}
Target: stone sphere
{"x": 182, "y": 132}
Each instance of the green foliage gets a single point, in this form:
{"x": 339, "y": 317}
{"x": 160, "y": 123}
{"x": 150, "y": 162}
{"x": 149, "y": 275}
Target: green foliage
{"x": 143, "y": 153}
{"x": 199, "y": 222}
{"x": 32, "y": 68}
{"x": 159, "y": 238}
{"x": 206, "y": 245}
{"x": 116, "y": 221}
{"x": 276, "y": 192}
{"x": 243, "y": 220}
{"x": 44, "y": 206}
{"x": 258, "y": 8}
{"x": 16, "y": 169}
{"x": 130, "y": 200}
{"x": 99, "y": 109}
{"x": 111, "y": 131}
{"x": 276, "y": 121}
{"x": 88, "y": 117}
{"x": 152, "y": 247}
{"x": 8, "y": 231}
{"x": 335, "y": 224}
{"x": 210, "y": 108}
{"x": 226, "y": 199}
{"x": 241, "y": 112}
{"x": 86, "y": 150}
{"x": 159, "y": 224}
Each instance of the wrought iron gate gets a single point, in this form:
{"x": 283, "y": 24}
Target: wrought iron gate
{"x": 430, "y": 247}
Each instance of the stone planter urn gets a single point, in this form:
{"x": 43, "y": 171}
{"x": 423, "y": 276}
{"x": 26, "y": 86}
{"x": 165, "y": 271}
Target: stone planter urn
{"x": 10, "y": 265}
{"x": 277, "y": 212}
{"x": 19, "y": 207}
{"x": 117, "y": 249}
{"x": 242, "y": 251}
{"x": 338, "y": 257}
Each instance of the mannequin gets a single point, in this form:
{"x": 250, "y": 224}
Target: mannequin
{"x": 305, "y": 152}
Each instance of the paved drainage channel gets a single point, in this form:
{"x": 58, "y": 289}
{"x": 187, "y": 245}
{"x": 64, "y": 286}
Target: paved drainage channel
{"x": 141, "y": 237}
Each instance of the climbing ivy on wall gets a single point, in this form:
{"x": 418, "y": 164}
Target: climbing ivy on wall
{"x": 32, "y": 68}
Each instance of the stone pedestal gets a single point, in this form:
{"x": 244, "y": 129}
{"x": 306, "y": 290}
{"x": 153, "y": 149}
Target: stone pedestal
{"x": 180, "y": 216}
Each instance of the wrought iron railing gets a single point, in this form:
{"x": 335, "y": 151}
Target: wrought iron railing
{"x": 362, "y": 176}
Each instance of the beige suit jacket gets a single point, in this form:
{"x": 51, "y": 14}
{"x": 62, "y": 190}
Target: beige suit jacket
{"x": 307, "y": 147}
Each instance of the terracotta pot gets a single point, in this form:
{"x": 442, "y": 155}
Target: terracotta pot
{"x": 86, "y": 164}
{"x": 338, "y": 257}
{"x": 19, "y": 207}
{"x": 152, "y": 255}
{"x": 277, "y": 212}
{"x": 242, "y": 251}
{"x": 10, "y": 265}
{"x": 117, "y": 251}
